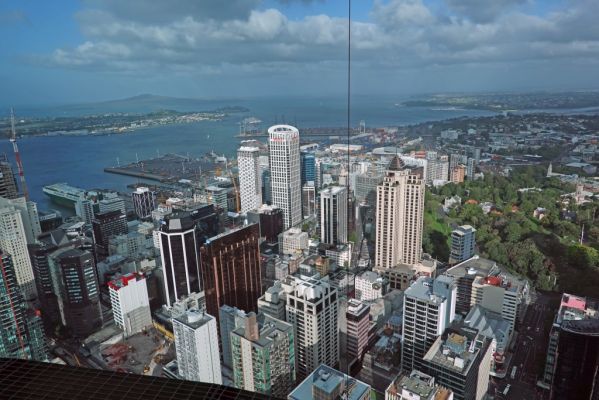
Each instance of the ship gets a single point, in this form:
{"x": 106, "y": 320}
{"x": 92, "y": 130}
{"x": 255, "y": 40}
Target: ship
{"x": 63, "y": 194}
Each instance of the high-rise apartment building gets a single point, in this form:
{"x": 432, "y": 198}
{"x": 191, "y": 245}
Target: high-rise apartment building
{"x": 573, "y": 352}
{"x": 21, "y": 336}
{"x": 79, "y": 301}
{"x": 312, "y": 306}
{"x": 144, "y": 202}
{"x": 13, "y": 241}
{"x": 437, "y": 169}
{"x": 263, "y": 353}
{"x": 180, "y": 237}
{"x": 250, "y": 178}
{"x": 460, "y": 360}
{"x": 230, "y": 318}
{"x": 106, "y": 225}
{"x": 308, "y": 165}
{"x": 333, "y": 215}
{"x": 130, "y": 303}
{"x": 429, "y": 308}
{"x": 29, "y": 216}
{"x": 230, "y": 268}
{"x": 8, "y": 183}
{"x": 463, "y": 241}
{"x": 196, "y": 342}
{"x": 399, "y": 217}
{"x": 457, "y": 174}
{"x": 284, "y": 159}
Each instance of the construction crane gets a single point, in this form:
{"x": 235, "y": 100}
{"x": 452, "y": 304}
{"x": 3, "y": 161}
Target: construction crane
{"x": 15, "y": 148}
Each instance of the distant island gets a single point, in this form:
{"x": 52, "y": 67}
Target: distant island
{"x": 509, "y": 101}
{"x": 116, "y": 116}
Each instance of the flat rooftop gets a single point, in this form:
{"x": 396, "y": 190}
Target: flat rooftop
{"x": 329, "y": 380}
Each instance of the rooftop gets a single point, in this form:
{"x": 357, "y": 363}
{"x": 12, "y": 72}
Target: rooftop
{"x": 455, "y": 350}
{"x": 194, "y": 318}
{"x": 123, "y": 281}
{"x": 329, "y": 380}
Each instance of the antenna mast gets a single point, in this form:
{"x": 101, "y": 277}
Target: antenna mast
{"x": 15, "y": 148}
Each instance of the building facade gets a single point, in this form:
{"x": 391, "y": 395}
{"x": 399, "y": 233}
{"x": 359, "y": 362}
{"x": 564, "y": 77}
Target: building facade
{"x": 130, "y": 303}
{"x": 250, "y": 178}
{"x": 333, "y": 215}
{"x": 463, "y": 241}
{"x": 105, "y": 225}
{"x": 284, "y": 159}
{"x": 144, "y": 202}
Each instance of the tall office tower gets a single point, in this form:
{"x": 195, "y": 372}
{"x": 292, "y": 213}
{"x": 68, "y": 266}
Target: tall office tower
{"x": 19, "y": 336}
{"x": 357, "y": 316}
{"x": 106, "y": 225}
{"x": 196, "y": 342}
{"x": 572, "y": 365}
{"x": 230, "y": 318}
{"x": 39, "y": 254}
{"x": 266, "y": 187}
{"x": 326, "y": 383}
{"x": 8, "y": 183}
{"x": 412, "y": 385}
{"x": 457, "y": 174}
{"x": 77, "y": 284}
{"x": 112, "y": 202}
{"x": 271, "y": 223}
{"x": 460, "y": 360}
{"x": 218, "y": 197}
{"x": 263, "y": 351}
{"x": 308, "y": 166}
{"x": 250, "y": 178}
{"x": 318, "y": 170}
{"x": 366, "y": 183}
{"x": 284, "y": 158}
{"x": 230, "y": 268}
{"x": 463, "y": 240}
{"x": 84, "y": 209}
{"x": 144, "y": 202}
{"x": 429, "y": 308}
{"x": 130, "y": 303}
{"x": 470, "y": 168}
{"x": 181, "y": 235}
{"x": 399, "y": 217}
{"x": 272, "y": 302}
{"x": 333, "y": 215}
{"x": 29, "y": 216}
{"x": 312, "y": 305}
{"x": 308, "y": 199}
{"x": 13, "y": 241}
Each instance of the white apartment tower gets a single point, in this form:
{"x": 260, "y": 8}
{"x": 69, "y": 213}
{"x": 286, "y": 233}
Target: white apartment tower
{"x": 429, "y": 308}
{"x": 13, "y": 241}
{"x": 130, "y": 303}
{"x": 399, "y": 217}
{"x": 284, "y": 158}
{"x": 250, "y": 178}
{"x": 312, "y": 307}
{"x": 196, "y": 341}
{"x": 333, "y": 215}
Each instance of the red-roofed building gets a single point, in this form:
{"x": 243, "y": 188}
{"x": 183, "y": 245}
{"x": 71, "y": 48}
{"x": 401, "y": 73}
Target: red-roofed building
{"x": 130, "y": 303}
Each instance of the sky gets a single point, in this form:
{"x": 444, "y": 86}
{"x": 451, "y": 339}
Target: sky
{"x": 67, "y": 51}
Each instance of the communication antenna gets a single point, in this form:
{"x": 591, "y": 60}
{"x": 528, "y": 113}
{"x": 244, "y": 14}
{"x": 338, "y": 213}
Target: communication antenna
{"x": 15, "y": 148}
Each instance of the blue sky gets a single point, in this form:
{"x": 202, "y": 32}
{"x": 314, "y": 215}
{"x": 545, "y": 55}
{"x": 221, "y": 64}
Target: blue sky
{"x": 72, "y": 51}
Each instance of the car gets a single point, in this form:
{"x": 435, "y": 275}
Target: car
{"x": 507, "y": 389}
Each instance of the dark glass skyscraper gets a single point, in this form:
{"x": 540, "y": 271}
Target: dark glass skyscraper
{"x": 231, "y": 270}
{"x": 308, "y": 166}
{"x": 80, "y": 295}
{"x": 105, "y": 225}
{"x": 181, "y": 235}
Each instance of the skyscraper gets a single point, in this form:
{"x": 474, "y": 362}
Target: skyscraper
{"x": 8, "y": 183}
{"x": 13, "y": 241}
{"x": 144, "y": 202}
{"x": 399, "y": 217}
{"x": 333, "y": 215}
{"x": 106, "y": 225}
{"x": 20, "y": 334}
{"x": 308, "y": 165}
{"x": 130, "y": 303}
{"x": 181, "y": 235}
{"x": 84, "y": 209}
{"x": 308, "y": 199}
{"x": 284, "y": 158}
{"x": 230, "y": 268}
{"x": 229, "y": 319}
{"x": 263, "y": 353}
{"x": 357, "y": 316}
{"x": 312, "y": 306}
{"x": 266, "y": 187}
{"x": 429, "y": 308}
{"x": 462, "y": 244}
{"x": 196, "y": 342}
{"x": 250, "y": 178}
{"x": 80, "y": 295}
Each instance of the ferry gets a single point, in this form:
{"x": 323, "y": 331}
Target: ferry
{"x": 63, "y": 194}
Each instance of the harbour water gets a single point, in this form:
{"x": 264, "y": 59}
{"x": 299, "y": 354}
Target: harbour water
{"x": 80, "y": 160}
